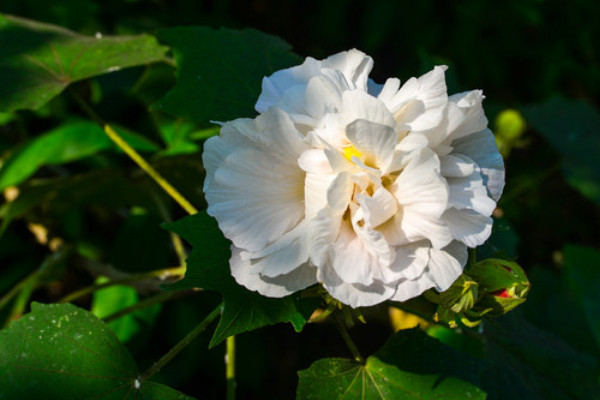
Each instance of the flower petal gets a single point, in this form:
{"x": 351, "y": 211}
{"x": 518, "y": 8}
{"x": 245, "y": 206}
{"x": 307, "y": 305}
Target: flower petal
{"x": 467, "y": 226}
{"x": 447, "y": 264}
{"x": 280, "y": 286}
{"x": 481, "y": 147}
{"x": 470, "y": 193}
{"x": 374, "y": 141}
{"x": 354, "y": 64}
{"x": 354, "y": 295}
{"x": 419, "y": 103}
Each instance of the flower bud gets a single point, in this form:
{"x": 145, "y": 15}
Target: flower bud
{"x": 461, "y": 296}
{"x": 503, "y": 285}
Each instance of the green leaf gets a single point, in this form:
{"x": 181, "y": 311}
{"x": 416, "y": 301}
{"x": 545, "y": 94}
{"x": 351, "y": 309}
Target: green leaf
{"x": 220, "y": 72}
{"x": 410, "y": 366}
{"x": 582, "y": 266}
{"x": 572, "y": 129}
{"x": 64, "y": 352}
{"x": 115, "y": 298}
{"x": 69, "y": 142}
{"x": 208, "y": 268}
{"x": 529, "y": 363}
{"x": 38, "y": 61}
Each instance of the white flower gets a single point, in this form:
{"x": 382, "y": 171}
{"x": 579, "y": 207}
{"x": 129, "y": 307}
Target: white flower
{"x": 374, "y": 191}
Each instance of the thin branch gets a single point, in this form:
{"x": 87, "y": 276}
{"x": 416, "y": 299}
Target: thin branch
{"x": 150, "y": 301}
{"x": 348, "y": 340}
{"x": 181, "y": 345}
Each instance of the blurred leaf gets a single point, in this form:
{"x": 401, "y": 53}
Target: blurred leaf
{"x": 112, "y": 299}
{"x": 573, "y": 129}
{"x": 553, "y": 307}
{"x": 69, "y": 142}
{"x": 38, "y": 61}
{"x": 141, "y": 245}
{"x": 501, "y": 244}
{"x": 107, "y": 187}
{"x": 64, "y": 352}
{"x": 208, "y": 268}
{"x": 227, "y": 86}
{"x": 582, "y": 267}
{"x": 410, "y": 366}
{"x": 533, "y": 364}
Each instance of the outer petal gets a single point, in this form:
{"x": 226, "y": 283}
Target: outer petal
{"x": 468, "y": 227}
{"x": 409, "y": 288}
{"x": 420, "y": 102}
{"x": 354, "y": 295}
{"x": 257, "y": 194}
{"x": 446, "y": 265}
{"x": 275, "y": 86}
{"x": 280, "y": 286}
{"x": 469, "y": 192}
{"x": 282, "y": 256}
{"x": 481, "y": 147}
{"x": 354, "y": 64}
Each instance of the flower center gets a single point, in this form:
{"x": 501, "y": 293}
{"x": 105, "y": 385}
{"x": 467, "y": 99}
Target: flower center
{"x": 351, "y": 151}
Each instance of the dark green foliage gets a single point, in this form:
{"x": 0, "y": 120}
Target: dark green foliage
{"x": 228, "y": 86}
{"x": 64, "y": 352}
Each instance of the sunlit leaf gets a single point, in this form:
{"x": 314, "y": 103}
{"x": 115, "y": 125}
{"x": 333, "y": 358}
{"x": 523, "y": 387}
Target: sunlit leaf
{"x": 115, "y": 298}
{"x": 69, "y": 142}
{"x": 208, "y": 268}
{"x": 38, "y": 61}
{"x": 220, "y": 72}
{"x": 572, "y": 129}
{"x": 64, "y": 352}
{"x": 410, "y": 366}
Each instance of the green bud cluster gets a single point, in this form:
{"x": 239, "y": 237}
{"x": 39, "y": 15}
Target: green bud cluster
{"x": 489, "y": 288}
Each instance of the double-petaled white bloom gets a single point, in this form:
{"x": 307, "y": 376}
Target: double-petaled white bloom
{"x": 374, "y": 191}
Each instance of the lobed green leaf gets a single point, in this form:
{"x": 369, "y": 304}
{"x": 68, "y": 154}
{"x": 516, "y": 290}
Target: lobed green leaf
{"x": 410, "y": 366}
{"x": 220, "y": 71}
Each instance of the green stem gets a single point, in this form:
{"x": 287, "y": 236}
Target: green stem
{"x": 230, "y": 367}
{"x": 181, "y": 345}
{"x": 160, "y": 274}
{"x": 18, "y": 287}
{"x": 136, "y": 157}
{"x": 346, "y": 336}
{"x": 150, "y": 301}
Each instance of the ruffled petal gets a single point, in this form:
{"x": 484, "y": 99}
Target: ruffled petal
{"x": 374, "y": 141}
{"x": 446, "y": 265}
{"x": 481, "y": 147}
{"x": 354, "y": 295}
{"x": 470, "y": 193}
{"x": 468, "y": 227}
{"x": 354, "y": 64}
{"x": 280, "y": 286}
{"x": 420, "y": 102}
{"x": 283, "y": 255}
{"x": 275, "y": 86}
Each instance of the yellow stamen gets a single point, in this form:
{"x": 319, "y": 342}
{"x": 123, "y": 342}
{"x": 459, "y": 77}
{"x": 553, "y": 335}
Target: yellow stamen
{"x": 351, "y": 151}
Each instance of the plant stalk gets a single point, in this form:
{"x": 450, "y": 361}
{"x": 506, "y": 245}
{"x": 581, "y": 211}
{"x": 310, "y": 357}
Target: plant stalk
{"x": 181, "y": 345}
